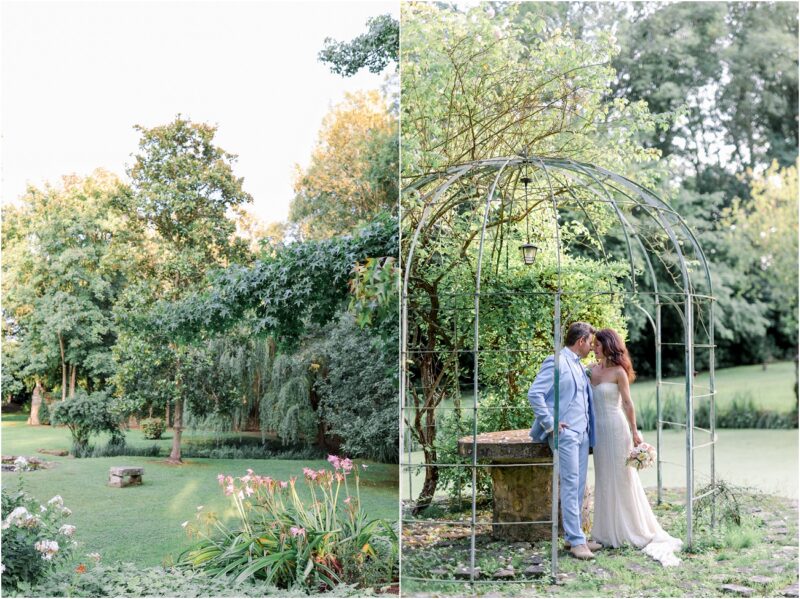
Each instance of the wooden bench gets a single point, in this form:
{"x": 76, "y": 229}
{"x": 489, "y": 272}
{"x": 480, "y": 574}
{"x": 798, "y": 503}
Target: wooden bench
{"x": 124, "y": 476}
{"x": 522, "y": 493}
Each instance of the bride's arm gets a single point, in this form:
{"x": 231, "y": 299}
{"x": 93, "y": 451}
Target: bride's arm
{"x": 627, "y": 405}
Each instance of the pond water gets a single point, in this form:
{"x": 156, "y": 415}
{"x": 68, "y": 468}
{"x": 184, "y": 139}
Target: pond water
{"x": 764, "y": 459}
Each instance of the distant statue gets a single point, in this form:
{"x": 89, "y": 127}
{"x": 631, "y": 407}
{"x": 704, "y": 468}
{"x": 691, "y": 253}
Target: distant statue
{"x": 36, "y": 401}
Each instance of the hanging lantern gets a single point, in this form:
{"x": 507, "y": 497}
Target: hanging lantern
{"x": 528, "y": 253}
{"x": 528, "y": 249}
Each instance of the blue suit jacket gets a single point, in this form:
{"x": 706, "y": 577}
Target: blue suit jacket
{"x": 541, "y": 396}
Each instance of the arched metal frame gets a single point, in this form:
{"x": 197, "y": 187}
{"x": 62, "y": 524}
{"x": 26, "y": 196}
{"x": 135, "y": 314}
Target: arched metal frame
{"x": 618, "y": 192}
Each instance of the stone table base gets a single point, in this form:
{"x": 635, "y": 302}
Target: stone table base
{"x": 522, "y": 492}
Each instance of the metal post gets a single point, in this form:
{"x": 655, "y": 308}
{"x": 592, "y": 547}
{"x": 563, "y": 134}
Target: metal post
{"x": 556, "y": 369}
{"x": 689, "y": 378}
{"x": 476, "y": 369}
{"x": 659, "y": 408}
{"x": 712, "y": 411}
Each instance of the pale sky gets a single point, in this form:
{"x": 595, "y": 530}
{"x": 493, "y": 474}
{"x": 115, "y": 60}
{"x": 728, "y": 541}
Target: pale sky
{"x": 76, "y": 77}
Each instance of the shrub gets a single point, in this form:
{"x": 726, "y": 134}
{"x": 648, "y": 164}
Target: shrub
{"x": 34, "y": 538}
{"x": 291, "y": 543}
{"x": 86, "y": 415}
{"x": 359, "y": 393}
{"x": 44, "y": 412}
{"x": 129, "y": 580}
{"x": 742, "y": 412}
{"x": 152, "y": 428}
{"x": 112, "y": 449}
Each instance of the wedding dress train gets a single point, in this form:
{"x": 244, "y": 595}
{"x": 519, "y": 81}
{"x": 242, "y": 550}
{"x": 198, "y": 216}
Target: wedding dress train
{"x": 622, "y": 513}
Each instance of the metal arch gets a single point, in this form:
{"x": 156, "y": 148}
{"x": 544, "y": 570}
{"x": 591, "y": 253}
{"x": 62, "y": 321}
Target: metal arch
{"x": 661, "y": 213}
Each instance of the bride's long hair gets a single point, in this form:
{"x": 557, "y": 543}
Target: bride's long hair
{"x": 615, "y": 351}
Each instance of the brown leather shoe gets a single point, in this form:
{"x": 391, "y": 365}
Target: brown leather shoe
{"x": 581, "y": 552}
{"x": 593, "y": 545}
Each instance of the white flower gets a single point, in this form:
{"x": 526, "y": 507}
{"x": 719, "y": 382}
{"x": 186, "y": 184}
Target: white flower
{"x": 42, "y": 508}
{"x": 57, "y": 500}
{"x": 199, "y": 507}
{"x": 19, "y": 517}
{"x": 2, "y": 568}
{"x": 47, "y": 548}
{"x": 184, "y": 524}
{"x": 20, "y": 463}
{"x": 67, "y": 530}
{"x": 95, "y": 556}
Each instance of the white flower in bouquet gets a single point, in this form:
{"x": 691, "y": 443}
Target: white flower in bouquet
{"x": 642, "y": 456}
{"x": 67, "y": 530}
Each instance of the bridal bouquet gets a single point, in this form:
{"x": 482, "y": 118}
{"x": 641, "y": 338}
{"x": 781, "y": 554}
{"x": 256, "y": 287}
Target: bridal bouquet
{"x": 642, "y": 456}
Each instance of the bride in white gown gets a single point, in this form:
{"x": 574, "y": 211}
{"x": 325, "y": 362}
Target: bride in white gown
{"x": 622, "y": 513}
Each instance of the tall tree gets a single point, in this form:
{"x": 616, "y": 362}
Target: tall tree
{"x": 68, "y": 251}
{"x": 183, "y": 187}
{"x": 353, "y": 170}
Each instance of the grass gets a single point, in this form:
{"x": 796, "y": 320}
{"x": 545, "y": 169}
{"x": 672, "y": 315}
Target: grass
{"x": 771, "y": 389}
{"x": 143, "y": 524}
{"x": 732, "y": 554}
{"x": 763, "y": 459}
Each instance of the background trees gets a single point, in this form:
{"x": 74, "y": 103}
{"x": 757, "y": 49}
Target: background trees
{"x": 162, "y": 297}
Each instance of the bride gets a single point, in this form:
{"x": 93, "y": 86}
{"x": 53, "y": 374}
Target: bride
{"x": 622, "y": 513}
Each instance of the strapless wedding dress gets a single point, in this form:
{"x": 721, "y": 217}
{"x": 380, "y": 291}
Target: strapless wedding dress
{"x": 622, "y": 513}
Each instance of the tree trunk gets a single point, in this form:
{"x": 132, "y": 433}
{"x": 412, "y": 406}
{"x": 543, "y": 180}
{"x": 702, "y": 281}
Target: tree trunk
{"x": 166, "y": 416}
{"x": 63, "y": 369}
{"x": 72, "y": 377}
{"x": 36, "y": 402}
{"x": 430, "y": 484}
{"x": 175, "y": 455}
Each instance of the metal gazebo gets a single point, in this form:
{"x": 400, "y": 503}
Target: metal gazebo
{"x": 496, "y": 196}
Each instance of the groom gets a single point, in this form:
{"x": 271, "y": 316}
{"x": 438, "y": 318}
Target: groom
{"x": 576, "y": 428}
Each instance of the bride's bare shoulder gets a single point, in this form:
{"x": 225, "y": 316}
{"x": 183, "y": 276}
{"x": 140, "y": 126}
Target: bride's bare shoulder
{"x": 620, "y": 374}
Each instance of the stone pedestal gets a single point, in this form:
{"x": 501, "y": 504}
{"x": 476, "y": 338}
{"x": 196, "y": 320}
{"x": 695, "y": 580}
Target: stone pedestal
{"x": 523, "y": 492}
{"x": 124, "y": 476}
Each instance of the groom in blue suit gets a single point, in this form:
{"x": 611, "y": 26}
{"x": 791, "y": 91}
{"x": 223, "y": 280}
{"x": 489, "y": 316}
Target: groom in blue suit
{"x": 576, "y": 428}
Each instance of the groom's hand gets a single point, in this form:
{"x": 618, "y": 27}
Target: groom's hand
{"x": 562, "y": 426}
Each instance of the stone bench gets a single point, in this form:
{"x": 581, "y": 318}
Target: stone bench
{"x": 521, "y": 493}
{"x": 124, "y": 476}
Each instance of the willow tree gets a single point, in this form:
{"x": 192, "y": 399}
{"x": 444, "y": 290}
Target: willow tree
{"x": 478, "y": 85}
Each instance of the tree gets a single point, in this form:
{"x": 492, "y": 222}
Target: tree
{"x": 481, "y": 84}
{"x": 353, "y": 171}
{"x": 761, "y": 238}
{"x": 68, "y": 252}
{"x": 374, "y": 50}
{"x": 182, "y": 189}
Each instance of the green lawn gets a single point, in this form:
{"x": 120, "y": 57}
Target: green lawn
{"x": 766, "y": 460}
{"x": 771, "y": 389}
{"x": 143, "y": 524}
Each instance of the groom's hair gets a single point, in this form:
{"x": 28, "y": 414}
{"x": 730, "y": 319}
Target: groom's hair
{"x": 578, "y": 331}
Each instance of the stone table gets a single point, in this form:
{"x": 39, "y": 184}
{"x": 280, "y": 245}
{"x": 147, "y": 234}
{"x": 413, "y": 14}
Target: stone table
{"x": 521, "y": 493}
